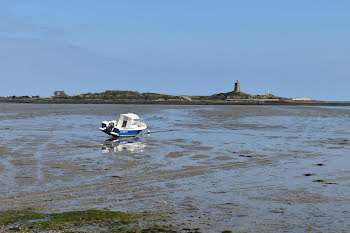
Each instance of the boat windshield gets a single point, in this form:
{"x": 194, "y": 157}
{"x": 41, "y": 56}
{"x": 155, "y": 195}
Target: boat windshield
{"x": 124, "y": 123}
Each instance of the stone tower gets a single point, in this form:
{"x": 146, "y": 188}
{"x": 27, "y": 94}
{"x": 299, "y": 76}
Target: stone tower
{"x": 237, "y": 87}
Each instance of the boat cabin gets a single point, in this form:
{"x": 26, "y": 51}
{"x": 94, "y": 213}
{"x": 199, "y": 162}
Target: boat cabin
{"x": 127, "y": 120}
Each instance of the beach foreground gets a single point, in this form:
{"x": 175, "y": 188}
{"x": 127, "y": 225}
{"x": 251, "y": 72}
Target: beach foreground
{"x": 202, "y": 168}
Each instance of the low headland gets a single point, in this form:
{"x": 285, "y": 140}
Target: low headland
{"x": 236, "y": 97}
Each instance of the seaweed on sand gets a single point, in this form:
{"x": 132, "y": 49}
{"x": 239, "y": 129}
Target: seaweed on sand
{"x": 29, "y": 220}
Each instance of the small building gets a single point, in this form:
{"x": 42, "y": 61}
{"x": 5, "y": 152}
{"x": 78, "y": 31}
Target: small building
{"x": 186, "y": 98}
{"x": 301, "y": 99}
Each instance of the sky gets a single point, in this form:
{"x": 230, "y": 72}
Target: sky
{"x": 298, "y": 48}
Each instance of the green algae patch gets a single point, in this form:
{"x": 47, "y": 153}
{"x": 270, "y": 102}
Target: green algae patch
{"x": 88, "y": 217}
{"x": 13, "y": 216}
{"x": 81, "y": 221}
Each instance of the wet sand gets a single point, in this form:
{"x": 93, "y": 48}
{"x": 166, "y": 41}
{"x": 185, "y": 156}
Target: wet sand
{"x": 214, "y": 168}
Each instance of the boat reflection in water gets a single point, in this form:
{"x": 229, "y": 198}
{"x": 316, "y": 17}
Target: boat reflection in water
{"x": 122, "y": 144}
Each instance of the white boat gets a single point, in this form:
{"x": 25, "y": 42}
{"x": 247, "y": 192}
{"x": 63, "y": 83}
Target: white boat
{"x": 128, "y": 125}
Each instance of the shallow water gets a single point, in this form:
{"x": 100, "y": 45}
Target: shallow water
{"x": 240, "y": 168}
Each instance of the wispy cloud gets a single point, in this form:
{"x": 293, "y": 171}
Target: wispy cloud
{"x": 40, "y": 60}
{"x": 15, "y": 26}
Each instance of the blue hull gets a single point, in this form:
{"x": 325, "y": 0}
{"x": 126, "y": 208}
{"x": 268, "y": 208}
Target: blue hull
{"x": 127, "y": 133}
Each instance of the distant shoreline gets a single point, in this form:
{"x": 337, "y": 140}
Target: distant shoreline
{"x": 236, "y": 97}
{"x": 174, "y": 102}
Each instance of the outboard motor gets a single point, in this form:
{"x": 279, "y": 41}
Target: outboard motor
{"x": 110, "y": 127}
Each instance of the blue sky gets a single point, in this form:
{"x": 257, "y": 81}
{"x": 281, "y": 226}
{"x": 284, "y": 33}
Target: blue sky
{"x": 296, "y": 48}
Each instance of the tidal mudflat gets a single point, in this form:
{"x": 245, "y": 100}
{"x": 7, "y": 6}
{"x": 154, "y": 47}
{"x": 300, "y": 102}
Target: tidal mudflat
{"x": 209, "y": 168}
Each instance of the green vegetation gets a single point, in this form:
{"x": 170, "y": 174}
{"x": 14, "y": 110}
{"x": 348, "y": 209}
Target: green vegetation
{"x": 22, "y": 97}
{"x": 127, "y": 95}
{"x": 13, "y": 216}
{"x": 240, "y": 95}
{"x": 60, "y": 94}
{"x": 81, "y": 218}
{"x": 93, "y": 220}
{"x": 230, "y": 95}
{"x": 135, "y": 95}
